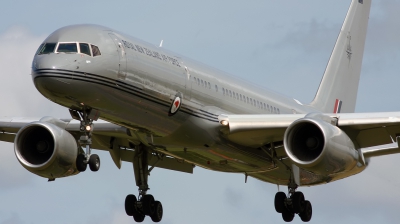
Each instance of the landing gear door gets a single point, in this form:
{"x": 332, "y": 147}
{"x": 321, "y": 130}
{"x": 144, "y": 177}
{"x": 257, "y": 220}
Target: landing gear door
{"x": 122, "y": 56}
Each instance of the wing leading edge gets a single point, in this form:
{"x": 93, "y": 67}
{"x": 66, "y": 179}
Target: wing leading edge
{"x": 368, "y": 131}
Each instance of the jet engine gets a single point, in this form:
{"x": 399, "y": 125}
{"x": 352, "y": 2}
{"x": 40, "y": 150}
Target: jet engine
{"x": 46, "y": 150}
{"x": 320, "y": 147}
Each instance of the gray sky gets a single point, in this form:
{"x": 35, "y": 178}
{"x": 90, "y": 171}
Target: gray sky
{"x": 281, "y": 45}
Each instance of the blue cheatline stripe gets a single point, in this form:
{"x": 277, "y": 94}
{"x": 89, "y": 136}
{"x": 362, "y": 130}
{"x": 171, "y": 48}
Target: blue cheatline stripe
{"x": 125, "y": 87}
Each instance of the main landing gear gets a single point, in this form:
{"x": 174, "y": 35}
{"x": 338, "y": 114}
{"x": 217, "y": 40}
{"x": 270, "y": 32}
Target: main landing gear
{"x": 145, "y": 204}
{"x": 294, "y": 204}
{"x": 86, "y": 117}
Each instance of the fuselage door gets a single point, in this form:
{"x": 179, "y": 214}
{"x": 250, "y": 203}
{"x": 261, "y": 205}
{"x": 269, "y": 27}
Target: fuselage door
{"x": 122, "y": 56}
{"x": 188, "y": 83}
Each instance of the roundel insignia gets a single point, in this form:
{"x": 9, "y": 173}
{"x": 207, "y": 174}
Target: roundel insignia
{"x": 176, "y": 104}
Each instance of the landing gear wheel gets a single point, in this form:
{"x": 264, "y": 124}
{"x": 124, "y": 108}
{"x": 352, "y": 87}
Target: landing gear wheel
{"x": 94, "y": 162}
{"x": 306, "y": 214}
{"x": 280, "y": 198}
{"x": 287, "y": 215}
{"x": 148, "y": 204}
{"x": 298, "y": 202}
{"x": 138, "y": 217}
{"x": 158, "y": 212}
{"x": 130, "y": 201}
{"x": 80, "y": 163}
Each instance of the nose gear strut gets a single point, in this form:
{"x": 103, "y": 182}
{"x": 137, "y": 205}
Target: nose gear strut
{"x": 86, "y": 117}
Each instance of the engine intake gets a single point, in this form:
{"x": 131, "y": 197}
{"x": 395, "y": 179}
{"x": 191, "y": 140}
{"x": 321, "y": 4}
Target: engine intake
{"x": 46, "y": 150}
{"x": 318, "y": 146}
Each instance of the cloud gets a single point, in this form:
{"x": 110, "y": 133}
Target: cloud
{"x": 18, "y": 46}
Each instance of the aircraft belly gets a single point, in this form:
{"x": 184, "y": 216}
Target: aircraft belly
{"x": 198, "y": 141}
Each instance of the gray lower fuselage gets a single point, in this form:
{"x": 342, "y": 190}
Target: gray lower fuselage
{"x": 133, "y": 83}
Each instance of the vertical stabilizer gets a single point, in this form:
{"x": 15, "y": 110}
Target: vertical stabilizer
{"x": 339, "y": 86}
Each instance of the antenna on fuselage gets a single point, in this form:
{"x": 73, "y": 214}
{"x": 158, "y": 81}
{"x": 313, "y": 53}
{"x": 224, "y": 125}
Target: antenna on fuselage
{"x": 161, "y": 43}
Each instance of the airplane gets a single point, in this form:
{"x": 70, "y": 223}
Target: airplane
{"x": 164, "y": 110}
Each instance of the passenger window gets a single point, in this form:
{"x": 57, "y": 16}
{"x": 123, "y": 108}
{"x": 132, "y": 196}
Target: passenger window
{"x": 209, "y": 85}
{"x": 202, "y": 83}
{"x": 247, "y": 99}
{"x": 230, "y": 93}
{"x": 216, "y": 88}
{"x": 85, "y": 49}
{"x": 95, "y": 50}
{"x": 278, "y": 111}
{"x": 48, "y": 48}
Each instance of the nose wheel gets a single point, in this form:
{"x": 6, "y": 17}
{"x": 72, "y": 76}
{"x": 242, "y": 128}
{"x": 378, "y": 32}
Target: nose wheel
{"x": 86, "y": 117}
{"x": 294, "y": 204}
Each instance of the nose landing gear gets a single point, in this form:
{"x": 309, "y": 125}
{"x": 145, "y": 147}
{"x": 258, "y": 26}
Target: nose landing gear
{"x": 86, "y": 117}
{"x": 294, "y": 204}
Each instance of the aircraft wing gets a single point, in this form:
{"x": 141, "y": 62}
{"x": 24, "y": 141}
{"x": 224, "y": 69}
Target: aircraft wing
{"x": 372, "y": 132}
{"x": 106, "y": 136}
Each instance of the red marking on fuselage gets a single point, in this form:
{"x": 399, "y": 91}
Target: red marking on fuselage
{"x": 177, "y": 103}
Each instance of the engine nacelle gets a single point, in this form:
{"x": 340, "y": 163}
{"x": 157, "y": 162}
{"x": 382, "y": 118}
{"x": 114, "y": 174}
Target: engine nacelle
{"x": 315, "y": 145}
{"x": 46, "y": 150}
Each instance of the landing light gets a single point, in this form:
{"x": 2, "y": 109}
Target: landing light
{"x": 224, "y": 122}
{"x": 88, "y": 128}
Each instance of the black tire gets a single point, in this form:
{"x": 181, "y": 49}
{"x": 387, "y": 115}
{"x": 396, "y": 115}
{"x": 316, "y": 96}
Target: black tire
{"x": 130, "y": 201}
{"x": 280, "y": 202}
{"x": 306, "y": 214}
{"x": 298, "y": 202}
{"x": 80, "y": 163}
{"x": 138, "y": 217}
{"x": 148, "y": 204}
{"x": 287, "y": 215}
{"x": 94, "y": 162}
{"x": 158, "y": 212}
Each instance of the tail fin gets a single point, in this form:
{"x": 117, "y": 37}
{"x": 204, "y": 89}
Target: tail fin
{"x": 338, "y": 89}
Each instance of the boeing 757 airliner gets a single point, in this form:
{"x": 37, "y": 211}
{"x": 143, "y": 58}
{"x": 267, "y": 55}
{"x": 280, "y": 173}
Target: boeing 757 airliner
{"x": 160, "y": 109}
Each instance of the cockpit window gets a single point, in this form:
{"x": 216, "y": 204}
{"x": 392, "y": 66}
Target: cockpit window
{"x": 67, "y": 48}
{"x": 95, "y": 50}
{"x": 39, "y": 49}
{"x": 47, "y": 48}
{"x": 85, "y": 49}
